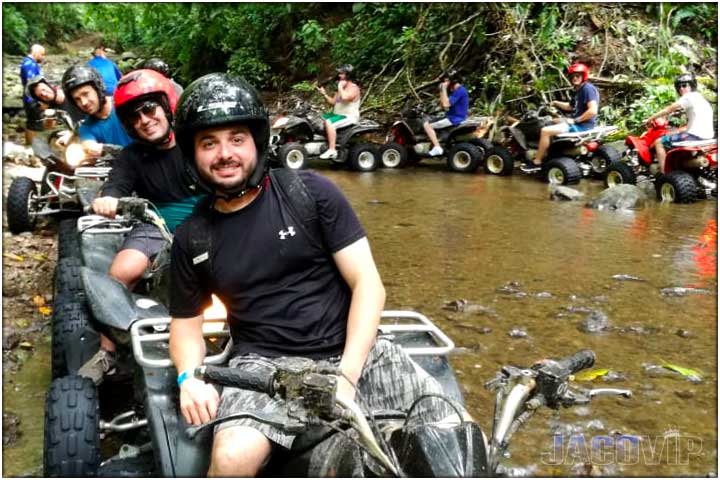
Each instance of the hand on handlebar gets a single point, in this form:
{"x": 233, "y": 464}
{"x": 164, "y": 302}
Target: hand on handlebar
{"x": 345, "y": 390}
{"x": 93, "y": 148}
{"x": 198, "y": 401}
{"x": 105, "y": 206}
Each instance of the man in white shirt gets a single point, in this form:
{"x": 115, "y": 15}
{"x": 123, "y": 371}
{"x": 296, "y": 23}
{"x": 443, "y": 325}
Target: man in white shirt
{"x": 699, "y": 115}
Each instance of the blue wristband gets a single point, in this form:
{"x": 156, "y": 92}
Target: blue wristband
{"x": 184, "y": 376}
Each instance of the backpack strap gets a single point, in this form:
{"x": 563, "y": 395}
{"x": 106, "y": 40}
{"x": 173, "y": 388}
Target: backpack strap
{"x": 299, "y": 200}
{"x": 200, "y": 236}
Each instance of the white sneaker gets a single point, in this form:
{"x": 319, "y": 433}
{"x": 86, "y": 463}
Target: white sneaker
{"x": 328, "y": 154}
{"x": 436, "y": 151}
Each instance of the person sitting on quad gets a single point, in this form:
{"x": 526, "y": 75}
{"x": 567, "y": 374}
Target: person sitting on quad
{"x": 699, "y": 117}
{"x": 49, "y": 96}
{"x": 84, "y": 86}
{"x": 289, "y": 290}
{"x": 151, "y": 166}
{"x": 346, "y": 110}
{"x": 584, "y": 108}
{"x": 456, "y": 104}
{"x": 159, "y": 65}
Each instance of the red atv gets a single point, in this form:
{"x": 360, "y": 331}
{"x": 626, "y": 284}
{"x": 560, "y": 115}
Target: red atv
{"x": 690, "y": 166}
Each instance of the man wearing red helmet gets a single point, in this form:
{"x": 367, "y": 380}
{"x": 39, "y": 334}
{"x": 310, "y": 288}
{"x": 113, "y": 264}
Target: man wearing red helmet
{"x": 585, "y": 106}
{"x": 152, "y": 167}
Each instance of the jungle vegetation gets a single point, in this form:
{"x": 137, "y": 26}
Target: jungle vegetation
{"x": 513, "y": 55}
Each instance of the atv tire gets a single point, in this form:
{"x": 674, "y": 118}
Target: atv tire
{"x": 72, "y": 428}
{"x": 464, "y": 158}
{"x": 67, "y": 278}
{"x": 293, "y": 156}
{"x": 562, "y": 171}
{"x": 68, "y": 317}
{"x": 499, "y": 162}
{"x": 619, "y": 173}
{"x": 68, "y": 239}
{"x": 20, "y": 218}
{"x": 603, "y": 157}
{"x": 393, "y": 155}
{"x": 364, "y": 158}
{"x": 677, "y": 187}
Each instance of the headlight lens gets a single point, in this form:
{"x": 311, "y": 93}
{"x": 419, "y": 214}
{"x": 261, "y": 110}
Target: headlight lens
{"x": 215, "y": 312}
{"x": 74, "y": 154}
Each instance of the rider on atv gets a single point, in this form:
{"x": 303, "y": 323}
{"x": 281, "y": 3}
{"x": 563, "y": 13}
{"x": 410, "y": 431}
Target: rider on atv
{"x": 584, "y": 108}
{"x": 699, "y": 114}
{"x": 456, "y": 104}
{"x": 151, "y": 166}
{"x": 291, "y": 288}
{"x": 346, "y": 110}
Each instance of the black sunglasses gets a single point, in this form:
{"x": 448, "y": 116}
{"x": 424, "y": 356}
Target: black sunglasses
{"x": 684, "y": 84}
{"x": 146, "y": 108}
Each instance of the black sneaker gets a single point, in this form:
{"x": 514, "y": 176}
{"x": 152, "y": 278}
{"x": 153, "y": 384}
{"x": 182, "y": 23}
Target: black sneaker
{"x": 530, "y": 168}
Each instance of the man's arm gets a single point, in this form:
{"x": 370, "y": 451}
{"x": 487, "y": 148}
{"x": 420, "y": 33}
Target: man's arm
{"x": 357, "y": 267}
{"x": 348, "y": 92}
{"x": 592, "y": 109}
{"x": 564, "y": 106}
{"x": 665, "y": 111}
{"x": 444, "y": 100}
{"x": 198, "y": 400}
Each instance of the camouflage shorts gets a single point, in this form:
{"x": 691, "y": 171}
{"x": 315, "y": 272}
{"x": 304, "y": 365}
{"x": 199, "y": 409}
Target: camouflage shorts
{"x": 390, "y": 380}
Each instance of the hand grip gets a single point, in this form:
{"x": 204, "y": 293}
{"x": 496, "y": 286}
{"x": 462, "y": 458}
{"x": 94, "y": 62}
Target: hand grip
{"x": 578, "y": 361}
{"x": 258, "y": 381}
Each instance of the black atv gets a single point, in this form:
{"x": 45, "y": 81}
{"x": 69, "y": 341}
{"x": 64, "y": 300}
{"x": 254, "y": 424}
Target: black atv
{"x": 466, "y": 149}
{"x": 334, "y": 438}
{"x": 300, "y": 136}
{"x": 66, "y": 167}
{"x": 570, "y": 157}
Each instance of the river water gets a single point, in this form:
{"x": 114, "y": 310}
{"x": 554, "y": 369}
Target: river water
{"x": 438, "y": 237}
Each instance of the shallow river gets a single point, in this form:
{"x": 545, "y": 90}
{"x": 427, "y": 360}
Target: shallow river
{"x": 439, "y": 237}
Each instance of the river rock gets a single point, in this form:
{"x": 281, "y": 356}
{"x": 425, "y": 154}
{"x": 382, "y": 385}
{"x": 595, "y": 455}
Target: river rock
{"x": 465, "y": 306}
{"x": 682, "y": 291}
{"x": 561, "y": 192}
{"x": 518, "y": 333}
{"x": 647, "y": 186}
{"x": 11, "y": 428}
{"x": 620, "y": 197}
{"x": 627, "y": 278}
{"x": 596, "y": 322}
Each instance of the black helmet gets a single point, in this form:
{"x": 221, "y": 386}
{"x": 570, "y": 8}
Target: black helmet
{"x": 685, "y": 78}
{"x": 218, "y": 99}
{"x": 79, "y": 75}
{"x": 452, "y": 75}
{"x": 157, "y": 64}
{"x": 30, "y": 86}
{"x": 347, "y": 69}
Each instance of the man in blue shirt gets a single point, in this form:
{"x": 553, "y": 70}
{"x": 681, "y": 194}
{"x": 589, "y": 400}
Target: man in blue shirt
{"x": 584, "y": 110}
{"x": 108, "y": 70}
{"x": 84, "y": 87}
{"x": 29, "y": 68}
{"x": 456, "y": 104}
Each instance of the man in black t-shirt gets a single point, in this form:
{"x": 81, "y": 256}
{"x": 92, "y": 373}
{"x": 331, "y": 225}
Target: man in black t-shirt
{"x": 584, "y": 110}
{"x": 288, "y": 291}
{"x": 153, "y": 168}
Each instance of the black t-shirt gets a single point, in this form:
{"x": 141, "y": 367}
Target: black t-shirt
{"x": 283, "y": 292}
{"x": 156, "y": 175}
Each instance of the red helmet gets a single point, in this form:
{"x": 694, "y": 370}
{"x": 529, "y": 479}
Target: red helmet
{"x": 139, "y": 86}
{"x": 579, "y": 68}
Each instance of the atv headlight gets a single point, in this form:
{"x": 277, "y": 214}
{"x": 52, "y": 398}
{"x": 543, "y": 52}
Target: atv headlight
{"x": 215, "y": 316}
{"x": 74, "y": 154}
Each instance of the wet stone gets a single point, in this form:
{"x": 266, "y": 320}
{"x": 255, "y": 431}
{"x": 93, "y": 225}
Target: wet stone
{"x": 627, "y": 278}
{"x": 510, "y": 287}
{"x": 685, "y": 394}
{"x": 683, "y": 333}
{"x": 517, "y": 333}
{"x": 682, "y": 291}
{"x": 561, "y": 192}
{"x": 596, "y": 322}
{"x": 11, "y": 428}
{"x": 620, "y": 197}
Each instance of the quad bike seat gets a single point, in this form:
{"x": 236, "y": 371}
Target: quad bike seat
{"x": 696, "y": 143}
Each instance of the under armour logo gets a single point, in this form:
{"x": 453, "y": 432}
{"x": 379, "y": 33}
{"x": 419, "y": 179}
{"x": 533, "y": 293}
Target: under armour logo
{"x": 290, "y": 231}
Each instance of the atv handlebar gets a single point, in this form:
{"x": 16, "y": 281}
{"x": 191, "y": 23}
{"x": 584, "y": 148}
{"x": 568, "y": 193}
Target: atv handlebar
{"x": 263, "y": 382}
{"x": 576, "y": 362}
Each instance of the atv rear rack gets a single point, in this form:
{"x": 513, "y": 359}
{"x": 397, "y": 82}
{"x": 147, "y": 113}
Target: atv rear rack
{"x": 593, "y": 135}
{"x": 427, "y": 338}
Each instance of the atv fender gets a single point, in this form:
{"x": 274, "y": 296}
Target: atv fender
{"x": 79, "y": 347}
{"x": 641, "y": 147}
{"x": 112, "y": 304}
{"x": 344, "y": 136}
{"x": 401, "y": 133}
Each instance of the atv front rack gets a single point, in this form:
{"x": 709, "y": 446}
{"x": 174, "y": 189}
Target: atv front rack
{"x": 102, "y": 225}
{"x": 415, "y": 333}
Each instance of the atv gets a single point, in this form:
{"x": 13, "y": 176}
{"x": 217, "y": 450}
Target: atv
{"x": 466, "y": 148}
{"x": 690, "y": 166}
{"x": 570, "y": 157}
{"x": 66, "y": 167}
{"x": 139, "y": 409}
{"x": 300, "y": 136}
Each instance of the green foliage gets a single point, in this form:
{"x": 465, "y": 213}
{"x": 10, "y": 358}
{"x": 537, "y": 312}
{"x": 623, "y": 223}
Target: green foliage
{"x": 44, "y": 23}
